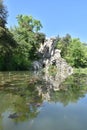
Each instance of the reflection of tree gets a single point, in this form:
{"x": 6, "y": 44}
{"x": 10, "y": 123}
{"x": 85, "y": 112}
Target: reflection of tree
{"x": 27, "y": 104}
{"x": 1, "y": 127}
{"x": 23, "y": 95}
{"x": 23, "y": 99}
{"x": 71, "y": 90}
{"x": 24, "y": 110}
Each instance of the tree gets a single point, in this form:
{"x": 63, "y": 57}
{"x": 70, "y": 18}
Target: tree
{"x": 29, "y": 23}
{"x": 7, "y": 45}
{"x": 3, "y": 14}
{"x": 72, "y": 50}
{"x": 27, "y": 31}
{"x": 76, "y": 55}
{"x": 63, "y": 43}
{"x": 28, "y": 38}
{"x": 7, "y": 42}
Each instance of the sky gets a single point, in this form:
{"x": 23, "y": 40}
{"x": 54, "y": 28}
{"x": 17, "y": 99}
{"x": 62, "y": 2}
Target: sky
{"x": 58, "y": 17}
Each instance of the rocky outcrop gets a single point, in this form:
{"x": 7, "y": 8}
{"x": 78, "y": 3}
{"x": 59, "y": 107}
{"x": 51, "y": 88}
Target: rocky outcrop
{"x": 50, "y": 56}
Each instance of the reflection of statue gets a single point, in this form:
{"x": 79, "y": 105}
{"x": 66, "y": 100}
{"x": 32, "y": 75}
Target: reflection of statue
{"x": 57, "y": 89}
{"x": 25, "y": 97}
{"x": 50, "y": 83}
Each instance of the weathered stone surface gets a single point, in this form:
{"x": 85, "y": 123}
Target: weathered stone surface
{"x": 51, "y": 56}
{"x": 36, "y": 65}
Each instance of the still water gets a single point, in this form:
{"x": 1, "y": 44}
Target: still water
{"x": 28, "y": 101}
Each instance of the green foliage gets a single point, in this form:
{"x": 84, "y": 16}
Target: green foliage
{"x": 73, "y": 51}
{"x": 25, "y": 33}
{"x": 76, "y": 54}
{"x": 52, "y": 70}
{"x": 19, "y": 46}
{"x": 28, "y": 39}
{"x": 7, "y": 44}
{"x": 6, "y": 38}
{"x": 20, "y": 58}
{"x": 80, "y": 71}
{"x": 29, "y": 23}
{"x": 63, "y": 43}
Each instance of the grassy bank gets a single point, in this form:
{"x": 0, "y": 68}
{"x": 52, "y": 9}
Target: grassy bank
{"x": 80, "y": 70}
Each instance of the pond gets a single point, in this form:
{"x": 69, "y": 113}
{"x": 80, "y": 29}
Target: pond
{"x": 34, "y": 101}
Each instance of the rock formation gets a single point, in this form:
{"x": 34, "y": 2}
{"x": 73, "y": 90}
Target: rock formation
{"x": 49, "y": 56}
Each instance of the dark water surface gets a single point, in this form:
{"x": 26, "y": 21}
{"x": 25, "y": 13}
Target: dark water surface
{"x": 28, "y": 101}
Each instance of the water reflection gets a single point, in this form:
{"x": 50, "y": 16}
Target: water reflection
{"x": 58, "y": 89}
{"x": 19, "y": 96}
{"x": 22, "y": 94}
